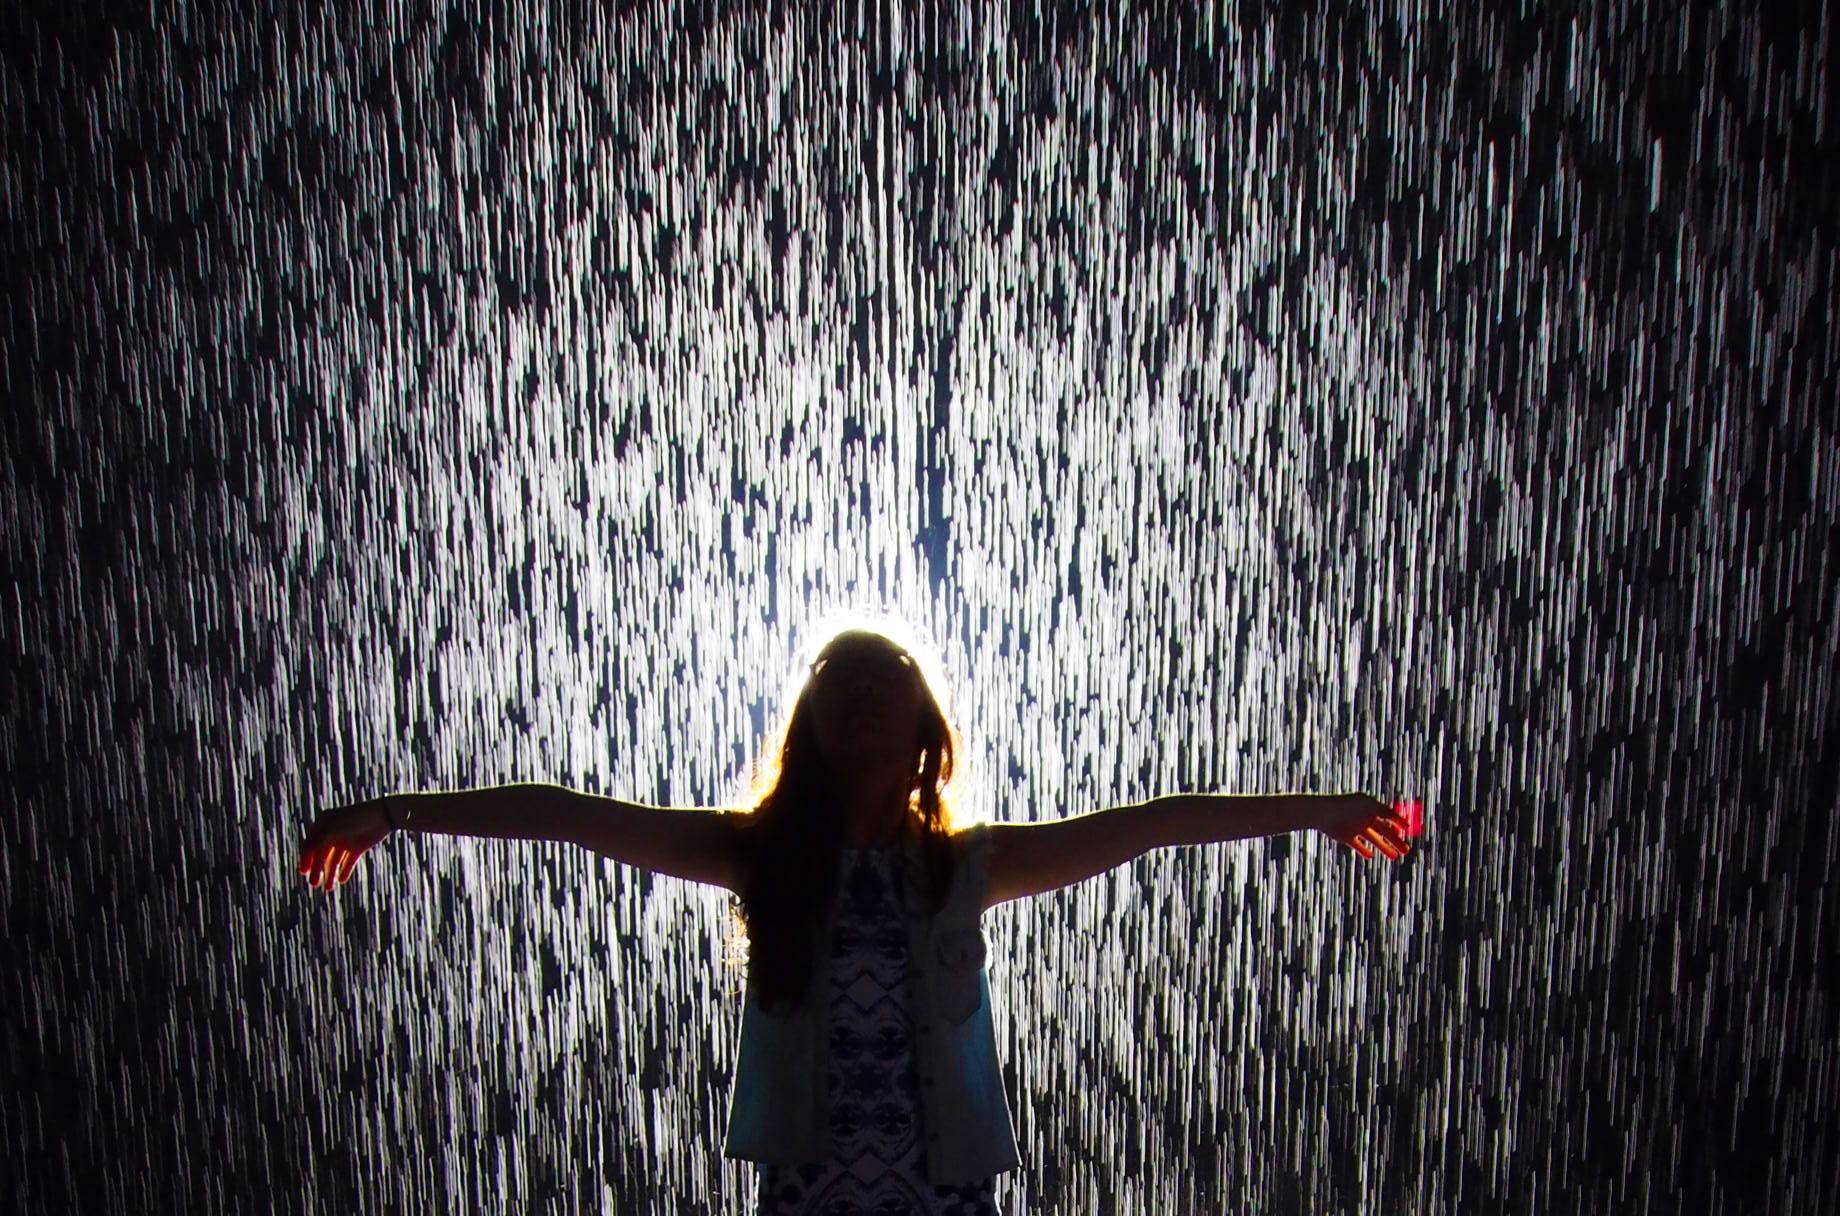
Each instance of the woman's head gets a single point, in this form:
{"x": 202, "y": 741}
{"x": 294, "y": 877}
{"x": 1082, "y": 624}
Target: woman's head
{"x": 866, "y": 737}
{"x": 873, "y": 725}
{"x": 864, "y": 696}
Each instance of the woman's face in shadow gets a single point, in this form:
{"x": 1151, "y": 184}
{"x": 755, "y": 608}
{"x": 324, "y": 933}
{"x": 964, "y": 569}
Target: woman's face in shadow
{"x": 865, "y": 705}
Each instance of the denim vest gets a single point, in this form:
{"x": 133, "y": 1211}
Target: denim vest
{"x": 779, "y": 1107}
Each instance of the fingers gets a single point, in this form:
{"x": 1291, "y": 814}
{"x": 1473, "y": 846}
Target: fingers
{"x": 1385, "y": 845}
{"x": 1384, "y": 835}
{"x": 327, "y": 866}
{"x": 1388, "y": 837}
{"x": 311, "y": 854}
{"x": 320, "y": 875}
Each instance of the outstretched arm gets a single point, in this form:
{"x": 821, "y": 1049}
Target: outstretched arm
{"x": 686, "y": 842}
{"x": 1030, "y": 858}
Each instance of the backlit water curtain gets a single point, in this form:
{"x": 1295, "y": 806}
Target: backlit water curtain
{"x": 1260, "y": 399}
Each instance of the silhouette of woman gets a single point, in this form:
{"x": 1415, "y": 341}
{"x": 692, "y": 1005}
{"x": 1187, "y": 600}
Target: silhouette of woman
{"x": 867, "y": 1077}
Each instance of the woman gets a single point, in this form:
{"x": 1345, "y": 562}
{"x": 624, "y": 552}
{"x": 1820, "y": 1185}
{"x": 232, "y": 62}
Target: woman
{"x": 866, "y": 1077}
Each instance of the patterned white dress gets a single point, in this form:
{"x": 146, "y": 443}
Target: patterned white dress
{"x": 879, "y": 1164}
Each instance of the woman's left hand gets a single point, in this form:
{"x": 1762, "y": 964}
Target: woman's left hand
{"x": 330, "y": 850}
{"x": 1365, "y": 824}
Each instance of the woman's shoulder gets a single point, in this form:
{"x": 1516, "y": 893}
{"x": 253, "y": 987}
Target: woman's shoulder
{"x": 968, "y": 845}
{"x": 968, "y": 838}
{"x": 971, "y": 850}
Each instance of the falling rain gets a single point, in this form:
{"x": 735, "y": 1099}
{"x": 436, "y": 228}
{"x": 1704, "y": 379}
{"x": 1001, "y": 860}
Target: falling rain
{"x": 1234, "y": 398}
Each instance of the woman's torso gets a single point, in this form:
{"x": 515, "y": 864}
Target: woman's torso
{"x": 878, "y": 1163}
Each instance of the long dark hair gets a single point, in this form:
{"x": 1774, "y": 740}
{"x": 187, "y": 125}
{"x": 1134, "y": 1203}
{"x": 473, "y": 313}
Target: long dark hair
{"x": 789, "y": 839}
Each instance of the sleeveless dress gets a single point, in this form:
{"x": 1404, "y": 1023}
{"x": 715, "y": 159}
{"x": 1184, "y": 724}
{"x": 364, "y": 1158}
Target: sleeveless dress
{"x": 879, "y": 1165}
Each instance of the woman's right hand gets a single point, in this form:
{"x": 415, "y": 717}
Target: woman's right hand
{"x": 330, "y": 850}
